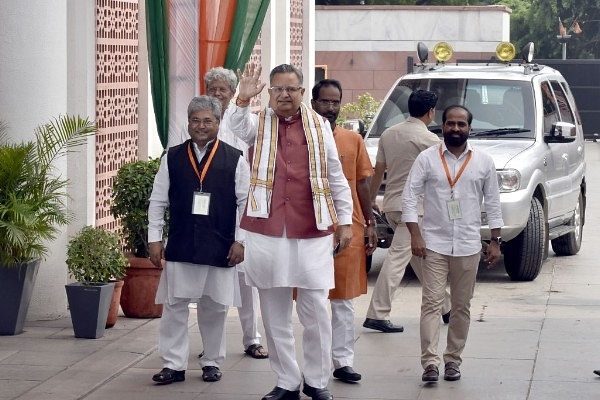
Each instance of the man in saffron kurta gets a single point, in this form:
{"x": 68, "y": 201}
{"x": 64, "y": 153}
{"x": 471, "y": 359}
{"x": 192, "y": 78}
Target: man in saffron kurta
{"x": 349, "y": 264}
{"x": 297, "y": 192}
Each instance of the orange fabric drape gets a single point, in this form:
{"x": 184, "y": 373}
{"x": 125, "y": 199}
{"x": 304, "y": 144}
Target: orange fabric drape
{"x": 215, "y": 22}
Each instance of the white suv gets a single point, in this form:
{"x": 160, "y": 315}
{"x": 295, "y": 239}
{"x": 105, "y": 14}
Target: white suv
{"x": 525, "y": 117}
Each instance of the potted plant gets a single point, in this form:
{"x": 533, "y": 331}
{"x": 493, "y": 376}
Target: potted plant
{"x": 131, "y": 188}
{"x": 32, "y": 209}
{"x": 94, "y": 258}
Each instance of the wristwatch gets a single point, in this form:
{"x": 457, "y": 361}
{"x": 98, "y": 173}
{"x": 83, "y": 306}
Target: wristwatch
{"x": 496, "y": 239}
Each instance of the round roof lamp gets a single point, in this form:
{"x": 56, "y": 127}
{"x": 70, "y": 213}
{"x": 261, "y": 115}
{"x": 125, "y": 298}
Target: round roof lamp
{"x": 442, "y": 51}
{"x": 506, "y": 51}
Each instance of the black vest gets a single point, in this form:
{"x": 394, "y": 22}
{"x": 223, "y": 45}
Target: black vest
{"x": 202, "y": 239}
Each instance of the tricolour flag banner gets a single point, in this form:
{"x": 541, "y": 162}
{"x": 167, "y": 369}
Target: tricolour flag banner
{"x": 186, "y": 38}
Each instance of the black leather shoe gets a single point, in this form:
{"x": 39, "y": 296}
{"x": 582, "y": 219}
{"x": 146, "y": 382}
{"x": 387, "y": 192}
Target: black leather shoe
{"x": 347, "y": 374}
{"x": 446, "y": 317}
{"x": 431, "y": 374}
{"x": 281, "y": 394}
{"x": 597, "y": 372}
{"x": 317, "y": 394}
{"x": 451, "y": 371}
{"x": 168, "y": 375}
{"x": 383, "y": 325}
{"x": 211, "y": 374}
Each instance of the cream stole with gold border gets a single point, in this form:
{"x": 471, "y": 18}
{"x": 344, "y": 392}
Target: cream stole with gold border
{"x": 262, "y": 174}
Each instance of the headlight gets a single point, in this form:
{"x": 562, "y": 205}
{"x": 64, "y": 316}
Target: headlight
{"x": 509, "y": 180}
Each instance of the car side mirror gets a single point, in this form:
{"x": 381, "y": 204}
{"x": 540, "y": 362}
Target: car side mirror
{"x": 561, "y": 132}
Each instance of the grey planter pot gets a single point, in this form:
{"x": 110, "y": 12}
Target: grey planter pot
{"x": 89, "y": 306}
{"x": 16, "y": 287}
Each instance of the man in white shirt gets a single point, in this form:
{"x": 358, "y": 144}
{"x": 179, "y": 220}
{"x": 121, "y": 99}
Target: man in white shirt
{"x": 453, "y": 180}
{"x": 398, "y": 148}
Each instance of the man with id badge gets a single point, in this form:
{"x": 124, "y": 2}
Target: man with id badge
{"x": 453, "y": 180}
{"x": 204, "y": 183}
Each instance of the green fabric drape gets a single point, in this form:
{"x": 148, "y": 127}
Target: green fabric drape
{"x": 157, "y": 27}
{"x": 249, "y": 17}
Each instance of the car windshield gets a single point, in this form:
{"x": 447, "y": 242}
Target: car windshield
{"x": 500, "y": 108}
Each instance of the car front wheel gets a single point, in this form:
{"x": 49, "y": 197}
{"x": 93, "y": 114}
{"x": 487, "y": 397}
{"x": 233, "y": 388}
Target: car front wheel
{"x": 523, "y": 255}
{"x": 569, "y": 244}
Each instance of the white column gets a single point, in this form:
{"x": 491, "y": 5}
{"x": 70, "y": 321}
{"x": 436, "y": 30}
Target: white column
{"x": 48, "y": 69}
{"x": 275, "y": 41}
{"x": 308, "y": 47}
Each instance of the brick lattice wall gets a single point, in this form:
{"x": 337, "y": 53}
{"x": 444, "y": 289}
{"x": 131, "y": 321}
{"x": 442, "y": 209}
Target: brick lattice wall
{"x": 117, "y": 57}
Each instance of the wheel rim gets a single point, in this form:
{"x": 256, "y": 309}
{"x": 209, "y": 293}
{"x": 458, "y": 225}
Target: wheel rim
{"x": 577, "y": 222}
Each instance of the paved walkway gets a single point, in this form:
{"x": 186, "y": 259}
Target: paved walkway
{"x": 528, "y": 341}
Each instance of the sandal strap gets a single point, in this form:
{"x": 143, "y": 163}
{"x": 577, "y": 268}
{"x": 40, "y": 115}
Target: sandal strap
{"x": 256, "y": 350}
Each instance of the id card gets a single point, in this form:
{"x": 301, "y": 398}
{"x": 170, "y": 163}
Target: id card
{"x": 453, "y": 209}
{"x": 201, "y": 203}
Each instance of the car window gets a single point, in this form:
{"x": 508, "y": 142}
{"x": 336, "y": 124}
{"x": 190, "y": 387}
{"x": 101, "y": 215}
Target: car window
{"x": 566, "y": 115}
{"x": 393, "y": 111}
{"x": 549, "y": 107}
{"x": 496, "y": 105}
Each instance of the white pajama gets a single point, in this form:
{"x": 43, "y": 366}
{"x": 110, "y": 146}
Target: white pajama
{"x": 173, "y": 341}
{"x": 214, "y": 289}
{"x": 248, "y": 312}
{"x": 311, "y": 307}
{"x": 342, "y": 322}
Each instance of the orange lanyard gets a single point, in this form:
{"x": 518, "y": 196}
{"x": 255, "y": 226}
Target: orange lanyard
{"x": 193, "y": 161}
{"x": 451, "y": 181}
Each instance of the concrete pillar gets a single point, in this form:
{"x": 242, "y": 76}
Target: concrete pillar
{"x": 47, "y": 69}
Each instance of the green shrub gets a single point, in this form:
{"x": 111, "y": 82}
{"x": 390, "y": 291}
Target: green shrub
{"x": 131, "y": 188}
{"x": 95, "y": 255}
{"x": 32, "y": 197}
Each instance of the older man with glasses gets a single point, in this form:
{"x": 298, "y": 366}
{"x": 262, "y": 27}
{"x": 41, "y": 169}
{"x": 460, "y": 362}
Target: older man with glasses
{"x": 298, "y": 192}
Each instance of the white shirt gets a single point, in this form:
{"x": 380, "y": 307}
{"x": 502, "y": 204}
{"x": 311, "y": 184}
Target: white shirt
{"x": 461, "y": 236}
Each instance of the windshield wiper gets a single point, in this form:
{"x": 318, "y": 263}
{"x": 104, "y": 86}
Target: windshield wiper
{"x": 500, "y": 131}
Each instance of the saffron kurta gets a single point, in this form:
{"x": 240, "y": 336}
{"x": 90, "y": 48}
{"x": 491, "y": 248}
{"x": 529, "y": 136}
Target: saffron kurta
{"x": 350, "y": 263}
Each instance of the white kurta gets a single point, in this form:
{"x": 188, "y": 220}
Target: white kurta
{"x": 191, "y": 281}
{"x": 283, "y": 262}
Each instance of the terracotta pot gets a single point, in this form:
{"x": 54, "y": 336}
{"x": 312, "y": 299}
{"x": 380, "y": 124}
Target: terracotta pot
{"x": 113, "y": 311}
{"x": 139, "y": 289}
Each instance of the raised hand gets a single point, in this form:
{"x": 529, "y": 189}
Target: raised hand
{"x": 249, "y": 82}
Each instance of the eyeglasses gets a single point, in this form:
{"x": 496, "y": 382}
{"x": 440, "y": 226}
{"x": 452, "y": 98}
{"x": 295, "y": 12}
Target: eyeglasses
{"x": 214, "y": 90}
{"x": 325, "y": 103}
{"x": 208, "y": 123}
{"x": 289, "y": 89}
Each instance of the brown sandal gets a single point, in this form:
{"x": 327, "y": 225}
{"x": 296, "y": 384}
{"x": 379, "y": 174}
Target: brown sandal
{"x": 256, "y": 350}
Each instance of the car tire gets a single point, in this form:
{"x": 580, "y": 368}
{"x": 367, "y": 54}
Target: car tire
{"x": 523, "y": 255}
{"x": 569, "y": 244}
